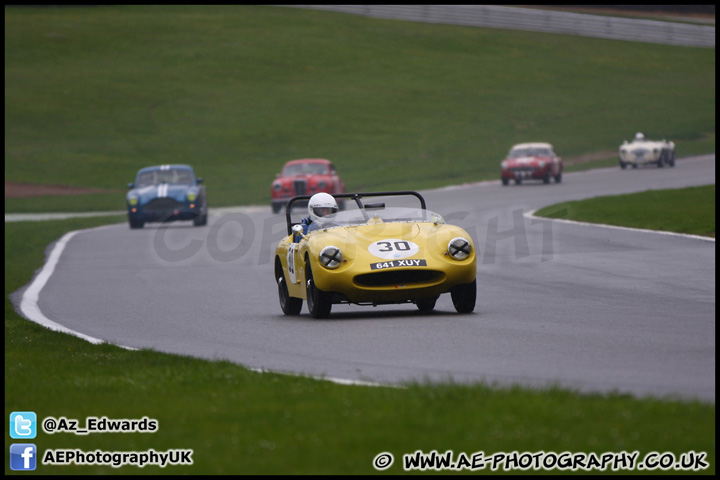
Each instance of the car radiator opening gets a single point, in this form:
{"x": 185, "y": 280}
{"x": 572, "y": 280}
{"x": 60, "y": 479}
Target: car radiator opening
{"x": 162, "y": 205}
{"x": 399, "y": 277}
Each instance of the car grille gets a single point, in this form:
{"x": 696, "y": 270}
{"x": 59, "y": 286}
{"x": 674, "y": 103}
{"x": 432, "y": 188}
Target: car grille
{"x": 523, "y": 169}
{"x": 398, "y": 277}
{"x": 640, "y": 152}
{"x": 162, "y": 205}
{"x": 300, "y": 187}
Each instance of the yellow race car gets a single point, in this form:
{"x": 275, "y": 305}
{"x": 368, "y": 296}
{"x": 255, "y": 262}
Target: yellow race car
{"x": 373, "y": 254}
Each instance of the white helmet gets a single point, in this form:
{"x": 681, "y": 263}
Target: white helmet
{"x": 321, "y": 205}
{"x": 639, "y": 137}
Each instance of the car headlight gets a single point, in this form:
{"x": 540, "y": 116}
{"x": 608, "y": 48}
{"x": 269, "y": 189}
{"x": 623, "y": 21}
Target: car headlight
{"x": 133, "y": 201}
{"x": 331, "y": 257}
{"x": 322, "y": 184}
{"x": 191, "y": 196}
{"x": 541, "y": 163}
{"x": 459, "y": 248}
{"x": 504, "y": 165}
{"x": 277, "y": 186}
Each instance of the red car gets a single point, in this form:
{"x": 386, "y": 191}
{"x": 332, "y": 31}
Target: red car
{"x": 304, "y": 177}
{"x": 531, "y": 161}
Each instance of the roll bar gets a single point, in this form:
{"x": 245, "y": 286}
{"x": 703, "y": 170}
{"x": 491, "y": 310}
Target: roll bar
{"x": 354, "y": 196}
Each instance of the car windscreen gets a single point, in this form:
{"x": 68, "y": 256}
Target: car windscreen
{"x": 305, "y": 169}
{"x": 355, "y": 217}
{"x": 530, "y": 152}
{"x": 176, "y": 176}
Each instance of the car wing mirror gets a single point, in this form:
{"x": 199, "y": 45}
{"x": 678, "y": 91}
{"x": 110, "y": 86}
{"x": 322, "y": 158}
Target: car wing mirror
{"x": 131, "y": 185}
{"x": 199, "y": 180}
{"x": 297, "y": 233}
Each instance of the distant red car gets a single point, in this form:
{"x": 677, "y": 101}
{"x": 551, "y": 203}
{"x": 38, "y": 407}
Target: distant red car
{"x": 531, "y": 161}
{"x": 304, "y": 177}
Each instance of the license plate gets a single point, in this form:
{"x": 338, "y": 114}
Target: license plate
{"x": 398, "y": 263}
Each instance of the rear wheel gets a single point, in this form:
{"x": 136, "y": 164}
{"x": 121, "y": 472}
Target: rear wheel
{"x": 661, "y": 160}
{"x": 319, "y": 303}
{"x": 464, "y": 296}
{"x": 289, "y": 305}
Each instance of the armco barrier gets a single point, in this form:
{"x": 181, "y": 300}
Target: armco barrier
{"x": 493, "y": 16}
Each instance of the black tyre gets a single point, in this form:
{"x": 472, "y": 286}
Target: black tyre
{"x": 289, "y": 305}
{"x": 135, "y": 223}
{"x": 319, "y": 303}
{"x": 661, "y": 160}
{"x": 276, "y": 207}
{"x": 518, "y": 181}
{"x": 464, "y": 296}
{"x": 623, "y": 165}
{"x": 505, "y": 181}
{"x": 558, "y": 177}
{"x": 546, "y": 178}
{"x": 426, "y": 304}
{"x": 200, "y": 220}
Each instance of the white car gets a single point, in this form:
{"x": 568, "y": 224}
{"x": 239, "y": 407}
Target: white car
{"x": 642, "y": 152}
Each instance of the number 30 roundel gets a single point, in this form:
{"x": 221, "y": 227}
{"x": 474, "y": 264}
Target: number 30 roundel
{"x": 392, "y": 248}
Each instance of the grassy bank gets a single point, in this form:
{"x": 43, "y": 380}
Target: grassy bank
{"x": 93, "y": 94}
{"x": 685, "y": 210}
{"x": 240, "y": 422}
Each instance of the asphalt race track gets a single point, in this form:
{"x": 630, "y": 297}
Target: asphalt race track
{"x": 584, "y": 307}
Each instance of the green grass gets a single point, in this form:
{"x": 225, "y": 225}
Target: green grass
{"x": 241, "y": 422}
{"x": 685, "y": 210}
{"x": 94, "y": 94}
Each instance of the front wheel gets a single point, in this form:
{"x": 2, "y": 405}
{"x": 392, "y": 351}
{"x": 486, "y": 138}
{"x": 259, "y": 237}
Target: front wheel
{"x": 464, "y": 296}
{"x": 289, "y": 305}
{"x": 200, "y": 220}
{"x": 558, "y": 177}
{"x": 135, "y": 223}
{"x": 319, "y": 303}
{"x": 426, "y": 304}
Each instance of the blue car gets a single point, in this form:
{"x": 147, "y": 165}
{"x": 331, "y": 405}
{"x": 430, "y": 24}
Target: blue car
{"x": 166, "y": 193}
